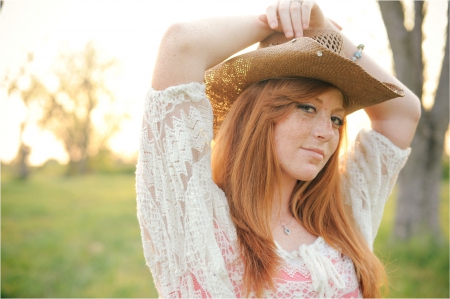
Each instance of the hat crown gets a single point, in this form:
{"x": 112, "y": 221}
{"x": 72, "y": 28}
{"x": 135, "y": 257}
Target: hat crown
{"x": 328, "y": 38}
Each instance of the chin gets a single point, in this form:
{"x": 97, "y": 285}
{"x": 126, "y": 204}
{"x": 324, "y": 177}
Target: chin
{"x": 306, "y": 177}
{"x": 308, "y": 174}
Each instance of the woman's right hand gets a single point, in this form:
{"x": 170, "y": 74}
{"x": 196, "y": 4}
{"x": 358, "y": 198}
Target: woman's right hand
{"x": 292, "y": 17}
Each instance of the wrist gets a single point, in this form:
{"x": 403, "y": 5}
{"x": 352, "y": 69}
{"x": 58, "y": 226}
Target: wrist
{"x": 264, "y": 25}
{"x": 332, "y": 25}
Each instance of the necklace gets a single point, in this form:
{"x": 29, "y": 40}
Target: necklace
{"x": 287, "y": 231}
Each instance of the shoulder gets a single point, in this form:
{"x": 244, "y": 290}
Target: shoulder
{"x": 193, "y": 90}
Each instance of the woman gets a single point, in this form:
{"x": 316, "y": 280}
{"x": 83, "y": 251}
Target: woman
{"x": 273, "y": 215}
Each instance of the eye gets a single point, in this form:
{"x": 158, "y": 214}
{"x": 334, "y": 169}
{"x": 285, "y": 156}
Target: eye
{"x": 307, "y": 108}
{"x": 337, "y": 121}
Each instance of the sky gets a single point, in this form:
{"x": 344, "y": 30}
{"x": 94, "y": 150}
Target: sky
{"x": 131, "y": 31}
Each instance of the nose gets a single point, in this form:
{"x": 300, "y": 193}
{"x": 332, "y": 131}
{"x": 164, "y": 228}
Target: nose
{"x": 323, "y": 129}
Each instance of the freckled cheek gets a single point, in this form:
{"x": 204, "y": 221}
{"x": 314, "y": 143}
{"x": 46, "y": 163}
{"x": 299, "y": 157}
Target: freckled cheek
{"x": 303, "y": 129}
{"x": 286, "y": 144}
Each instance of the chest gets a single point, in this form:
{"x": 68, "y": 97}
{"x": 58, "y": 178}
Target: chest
{"x": 292, "y": 235}
{"x": 310, "y": 270}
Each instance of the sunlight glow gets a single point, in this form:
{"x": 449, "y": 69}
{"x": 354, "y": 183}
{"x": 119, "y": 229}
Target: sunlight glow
{"x": 131, "y": 31}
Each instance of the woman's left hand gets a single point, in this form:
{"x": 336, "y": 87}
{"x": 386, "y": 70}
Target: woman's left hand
{"x": 295, "y": 16}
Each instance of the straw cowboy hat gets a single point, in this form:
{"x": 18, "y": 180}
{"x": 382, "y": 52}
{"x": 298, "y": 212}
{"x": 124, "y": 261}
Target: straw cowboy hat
{"x": 318, "y": 55}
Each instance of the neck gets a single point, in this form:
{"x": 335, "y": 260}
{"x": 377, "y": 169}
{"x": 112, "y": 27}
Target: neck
{"x": 281, "y": 206}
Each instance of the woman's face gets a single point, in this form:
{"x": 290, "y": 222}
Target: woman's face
{"x": 307, "y": 137}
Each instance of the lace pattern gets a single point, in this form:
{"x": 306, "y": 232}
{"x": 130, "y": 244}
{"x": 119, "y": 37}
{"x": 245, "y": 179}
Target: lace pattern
{"x": 371, "y": 169}
{"x": 189, "y": 240}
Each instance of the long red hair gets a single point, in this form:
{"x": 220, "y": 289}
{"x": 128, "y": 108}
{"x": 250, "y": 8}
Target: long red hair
{"x": 245, "y": 167}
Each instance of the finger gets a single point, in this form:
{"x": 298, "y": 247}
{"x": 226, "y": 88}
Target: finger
{"x": 263, "y": 18}
{"x": 296, "y": 18}
{"x": 285, "y": 18}
{"x": 271, "y": 13}
{"x": 306, "y": 13}
{"x": 335, "y": 24}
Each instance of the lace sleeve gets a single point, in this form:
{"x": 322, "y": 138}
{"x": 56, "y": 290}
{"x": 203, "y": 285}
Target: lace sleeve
{"x": 175, "y": 194}
{"x": 371, "y": 170}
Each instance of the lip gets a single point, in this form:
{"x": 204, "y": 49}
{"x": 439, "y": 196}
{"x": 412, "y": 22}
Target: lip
{"x": 316, "y": 152}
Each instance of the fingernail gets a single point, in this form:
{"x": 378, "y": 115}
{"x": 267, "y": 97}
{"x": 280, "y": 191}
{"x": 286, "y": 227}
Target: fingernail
{"x": 273, "y": 25}
{"x": 288, "y": 34}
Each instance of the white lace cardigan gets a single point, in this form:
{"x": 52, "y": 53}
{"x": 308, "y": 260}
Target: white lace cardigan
{"x": 188, "y": 237}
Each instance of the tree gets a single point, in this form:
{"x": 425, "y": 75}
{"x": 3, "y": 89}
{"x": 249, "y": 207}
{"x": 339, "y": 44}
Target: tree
{"x": 35, "y": 89}
{"x": 419, "y": 182}
{"x": 67, "y": 111}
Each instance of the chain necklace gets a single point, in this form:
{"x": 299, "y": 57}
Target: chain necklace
{"x": 287, "y": 231}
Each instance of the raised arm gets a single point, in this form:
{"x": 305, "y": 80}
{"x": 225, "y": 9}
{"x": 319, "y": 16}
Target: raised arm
{"x": 189, "y": 49}
{"x": 396, "y": 119}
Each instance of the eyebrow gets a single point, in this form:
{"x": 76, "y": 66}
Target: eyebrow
{"x": 318, "y": 100}
{"x": 334, "y": 110}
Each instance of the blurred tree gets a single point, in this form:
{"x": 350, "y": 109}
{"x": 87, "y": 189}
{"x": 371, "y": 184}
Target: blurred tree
{"x": 419, "y": 182}
{"x": 68, "y": 110}
{"x": 34, "y": 90}
{"x": 21, "y": 159}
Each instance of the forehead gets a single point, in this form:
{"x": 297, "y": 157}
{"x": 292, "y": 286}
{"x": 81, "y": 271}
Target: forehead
{"x": 332, "y": 97}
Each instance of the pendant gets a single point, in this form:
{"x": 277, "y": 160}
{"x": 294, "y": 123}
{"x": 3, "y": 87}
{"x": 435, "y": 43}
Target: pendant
{"x": 286, "y": 230}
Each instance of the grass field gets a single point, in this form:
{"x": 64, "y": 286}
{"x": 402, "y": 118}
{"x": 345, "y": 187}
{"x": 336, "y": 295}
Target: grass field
{"x": 418, "y": 268}
{"x": 72, "y": 237}
{"x": 79, "y": 237}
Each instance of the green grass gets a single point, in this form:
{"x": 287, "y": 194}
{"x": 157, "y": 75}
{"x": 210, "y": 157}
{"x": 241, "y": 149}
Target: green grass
{"x": 79, "y": 237}
{"x": 418, "y": 268}
{"x": 72, "y": 237}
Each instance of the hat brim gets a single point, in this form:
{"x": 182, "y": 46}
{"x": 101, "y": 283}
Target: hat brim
{"x": 302, "y": 57}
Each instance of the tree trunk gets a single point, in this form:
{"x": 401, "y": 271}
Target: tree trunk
{"x": 419, "y": 182}
{"x": 21, "y": 160}
{"x": 438, "y": 120}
